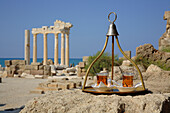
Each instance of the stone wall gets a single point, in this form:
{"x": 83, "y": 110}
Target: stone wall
{"x": 164, "y": 41}
{"x": 19, "y": 66}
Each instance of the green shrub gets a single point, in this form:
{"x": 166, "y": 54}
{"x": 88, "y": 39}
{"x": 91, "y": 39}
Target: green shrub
{"x": 105, "y": 61}
{"x": 146, "y": 62}
{"x": 167, "y": 49}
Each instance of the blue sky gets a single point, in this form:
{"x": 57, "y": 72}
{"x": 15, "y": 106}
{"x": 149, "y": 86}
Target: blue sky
{"x": 138, "y": 22}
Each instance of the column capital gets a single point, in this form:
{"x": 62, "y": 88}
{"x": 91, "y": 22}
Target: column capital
{"x": 34, "y": 35}
{"x": 56, "y": 34}
{"x": 45, "y": 34}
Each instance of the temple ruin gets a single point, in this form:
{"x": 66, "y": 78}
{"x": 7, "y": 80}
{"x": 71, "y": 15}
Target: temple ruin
{"x": 59, "y": 27}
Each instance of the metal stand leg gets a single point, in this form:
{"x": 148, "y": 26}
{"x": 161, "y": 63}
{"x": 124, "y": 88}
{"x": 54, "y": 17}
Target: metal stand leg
{"x": 131, "y": 62}
{"x": 88, "y": 70}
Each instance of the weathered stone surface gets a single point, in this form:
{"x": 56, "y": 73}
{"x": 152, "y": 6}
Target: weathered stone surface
{"x": 153, "y": 68}
{"x": 47, "y": 72}
{"x": 85, "y": 58}
{"x": 27, "y": 71}
{"x": 81, "y": 64}
{"x": 36, "y": 63}
{"x": 34, "y": 67}
{"x": 37, "y": 91}
{"x": 72, "y": 69}
{"x": 53, "y": 85}
{"x": 28, "y": 67}
{"x": 37, "y": 72}
{"x": 47, "y": 68}
{"x": 19, "y": 62}
{"x": 25, "y": 75}
{"x": 53, "y": 69}
{"x": 12, "y": 67}
{"x": 126, "y": 63}
{"x": 81, "y": 102}
{"x": 41, "y": 67}
{"x": 50, "y": 62}
{"x": 164, "y": 41}
{"x": 7, "y": 63}
{"x": 63, "y": 86}
{"x": 128, "y": 53}
{"x": 39, "y": 76}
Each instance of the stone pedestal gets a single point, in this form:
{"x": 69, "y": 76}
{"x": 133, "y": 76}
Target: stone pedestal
{"x": 27, "y": 46}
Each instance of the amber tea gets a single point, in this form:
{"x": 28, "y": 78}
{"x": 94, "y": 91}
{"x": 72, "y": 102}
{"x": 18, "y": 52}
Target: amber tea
{"x": 102, "y": 77}
{"x": 127, "y": 81}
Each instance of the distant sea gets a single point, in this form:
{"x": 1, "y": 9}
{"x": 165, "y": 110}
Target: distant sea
{"x": 71, "y": 61}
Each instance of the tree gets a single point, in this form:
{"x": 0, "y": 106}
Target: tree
{"x": 105, "y": 61}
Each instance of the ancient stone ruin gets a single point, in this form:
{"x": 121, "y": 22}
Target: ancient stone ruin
{"x": 23, "y": 67}
{"x": 164, "y": 41}
{"x": 59, "y": 27}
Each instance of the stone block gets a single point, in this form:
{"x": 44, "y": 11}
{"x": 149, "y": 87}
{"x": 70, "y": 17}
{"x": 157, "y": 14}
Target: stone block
{"x": 19, "y": 62}
{"x": 27, "y": 71}
{"x": 83, "y": 70}
{"x": 37, "y": 91}
{"x": 166, "y": 15}
{"x": 72, "y": 85}
{"x": 128, "y": 53}
{"x": 36, "y": 63}
{"x": 81, "y": 64}
{"x": 41, "y": 67}
{"x": 39, "y": 76}
{"x": 34, "y": 67}
{"x": 25, "y": 75}
{"x": 12, "y": 67}
{"x": 27, "y": 67}
{"x": 44, "y": 84}
{"x": 85, "y": 58}
{"x": 47, "y": 72}
{"x": 37, "y": 72}
{"x": 19, "y": 72}
{"x": 53, "y": 85}
{"x": 46, "y": 67}
{"x": 7, "y": 63}
{"x": 63, "y": 86}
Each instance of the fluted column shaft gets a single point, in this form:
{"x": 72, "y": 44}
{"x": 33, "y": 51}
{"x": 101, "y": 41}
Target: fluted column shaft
{"x": 56, "y": 50}
{"x": 45, "y": 50}
{"x": 62, "y": 48}
{"x": 67, "y": 50}
{"x": 35, "y": 48}
{"x": 27, "y": 47}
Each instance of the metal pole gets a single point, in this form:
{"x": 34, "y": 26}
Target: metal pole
{"x": 112, "y": 57}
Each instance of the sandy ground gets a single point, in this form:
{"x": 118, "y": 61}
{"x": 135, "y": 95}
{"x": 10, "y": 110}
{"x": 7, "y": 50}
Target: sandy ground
{"x": 15, "y": 92}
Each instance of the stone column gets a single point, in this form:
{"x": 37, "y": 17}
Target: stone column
{"x": 62, "y": 48}
{"x": 67, "y": 50}
{"x": 27, "y": 47}
{"x": 45, "y": 49}
{"x": 35, "y": 48}
{"x": 56, "y": 50}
